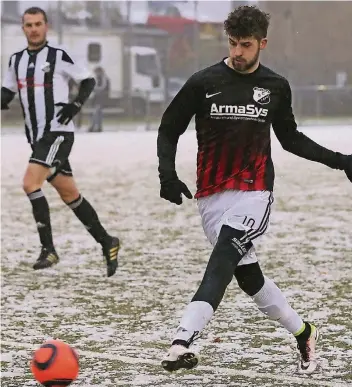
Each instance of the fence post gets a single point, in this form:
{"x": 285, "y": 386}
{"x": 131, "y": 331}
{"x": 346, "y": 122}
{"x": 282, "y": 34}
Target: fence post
{"x": 320, "y": 89}
{"x": 147, "y": 111}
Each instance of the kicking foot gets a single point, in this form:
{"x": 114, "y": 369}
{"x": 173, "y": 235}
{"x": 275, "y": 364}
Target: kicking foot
{"x": 179, "y": 357}
{"x": 110, "y": 252}
{"x": 308, "y": 361}
{"x": 47, "y": 258}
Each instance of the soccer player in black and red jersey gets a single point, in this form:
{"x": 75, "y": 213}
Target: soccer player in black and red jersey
{"x": 235, "y": 102}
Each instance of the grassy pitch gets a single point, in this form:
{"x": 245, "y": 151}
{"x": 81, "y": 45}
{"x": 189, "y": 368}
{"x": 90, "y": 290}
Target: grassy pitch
{"x": 121, "y": 326}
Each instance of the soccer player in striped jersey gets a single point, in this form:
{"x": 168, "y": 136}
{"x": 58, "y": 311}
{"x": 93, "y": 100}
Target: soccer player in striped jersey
{"x": 235, "y": 102}
{"x": 40, "y": 74}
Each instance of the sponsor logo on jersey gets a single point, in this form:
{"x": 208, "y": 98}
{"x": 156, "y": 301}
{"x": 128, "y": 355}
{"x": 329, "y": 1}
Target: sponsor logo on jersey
{"x": 238, "y": 112}
{"x": 261, "y": 96}
{"x": 29, "y": 83}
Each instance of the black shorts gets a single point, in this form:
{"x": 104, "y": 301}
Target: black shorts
{"x": 52, "y": 151}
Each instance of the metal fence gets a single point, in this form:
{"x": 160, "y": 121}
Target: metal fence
{"x": 322, "y": 101}
{"x": 311, "y": 103}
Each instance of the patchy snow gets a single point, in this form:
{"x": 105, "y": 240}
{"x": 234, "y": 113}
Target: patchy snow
{"x": 121, "y": 326}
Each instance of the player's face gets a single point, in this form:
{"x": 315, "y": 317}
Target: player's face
{"x": 35, "y": 29}
{"x": 244, "y": 53}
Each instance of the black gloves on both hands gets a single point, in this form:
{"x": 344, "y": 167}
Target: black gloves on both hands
{"x": 68, "y": 111}
{"x": 172, "y": 188}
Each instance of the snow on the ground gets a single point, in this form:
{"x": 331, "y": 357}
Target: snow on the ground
{"x": 121, "y": 326}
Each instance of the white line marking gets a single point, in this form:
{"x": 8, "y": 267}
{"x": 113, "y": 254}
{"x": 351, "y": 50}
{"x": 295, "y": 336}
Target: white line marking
{"x": 304, "y": 381}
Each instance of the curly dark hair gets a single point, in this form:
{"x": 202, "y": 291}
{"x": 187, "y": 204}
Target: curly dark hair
{"x": 35, "y": 11}
{"x": 246, "y": 21}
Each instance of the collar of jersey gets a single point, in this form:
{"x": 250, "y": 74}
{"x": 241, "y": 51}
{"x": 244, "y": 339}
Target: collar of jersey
{"x": 31, "y": 52}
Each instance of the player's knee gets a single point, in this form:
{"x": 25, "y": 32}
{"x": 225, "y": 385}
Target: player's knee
{"x": 250, "y": 278}
{"x": 69, "y": 196}
{"x": 66, "y": 188}
{"x": 26, "y": 186}
{"x": 29, "y": 186}
{"x": 34, "y": 177}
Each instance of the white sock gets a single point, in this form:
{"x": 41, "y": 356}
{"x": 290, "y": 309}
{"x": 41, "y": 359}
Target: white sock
{"x": 195, "y": 317}
{"x": 271, "y": 301}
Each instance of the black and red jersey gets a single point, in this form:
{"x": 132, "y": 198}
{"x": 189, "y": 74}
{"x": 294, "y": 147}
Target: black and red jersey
{"x": 233, "y": 114}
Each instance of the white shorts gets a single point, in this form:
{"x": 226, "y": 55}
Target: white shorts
{"x": 242, "y": 210}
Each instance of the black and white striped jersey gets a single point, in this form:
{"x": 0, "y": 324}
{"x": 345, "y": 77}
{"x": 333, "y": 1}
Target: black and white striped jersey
{"x": 42, "y": 80}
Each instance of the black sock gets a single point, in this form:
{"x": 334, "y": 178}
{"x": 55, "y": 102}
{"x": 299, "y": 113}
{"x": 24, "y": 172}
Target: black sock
{"x": 42, "y": 217}
{"x": 88, "y": 216}
{"x": 306, "y": 332}
{"x": 227, "y": 253}
{"x": 187, "y": 343}
{"x": 184, "y": 343}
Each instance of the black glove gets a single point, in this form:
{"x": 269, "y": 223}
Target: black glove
{"x": 6, "y": 97}
{"x": 172, "y": 190}
{"x": 68, "y": 111}
{"x": 348, "y": 167}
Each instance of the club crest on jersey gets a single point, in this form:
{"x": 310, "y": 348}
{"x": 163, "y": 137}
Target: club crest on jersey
{"x": 261, "y": 96}
{"x": 45, "y": 67}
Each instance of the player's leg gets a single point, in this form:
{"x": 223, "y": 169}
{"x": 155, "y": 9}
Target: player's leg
{"x": 228, "y": 251}
{"x": 272, "y": 302}
{"x": 33, "y": 180}
{"x": 39, "y": 168}
{"x": 94, "y": 120}
{"x": 264, "y": 292}
{"x": 100, "y": 118}
{"x": 66, "y": 187}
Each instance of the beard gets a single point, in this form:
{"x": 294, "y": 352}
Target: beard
{"x": 245, "y": 65}
{"x": 36, "y": 43}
